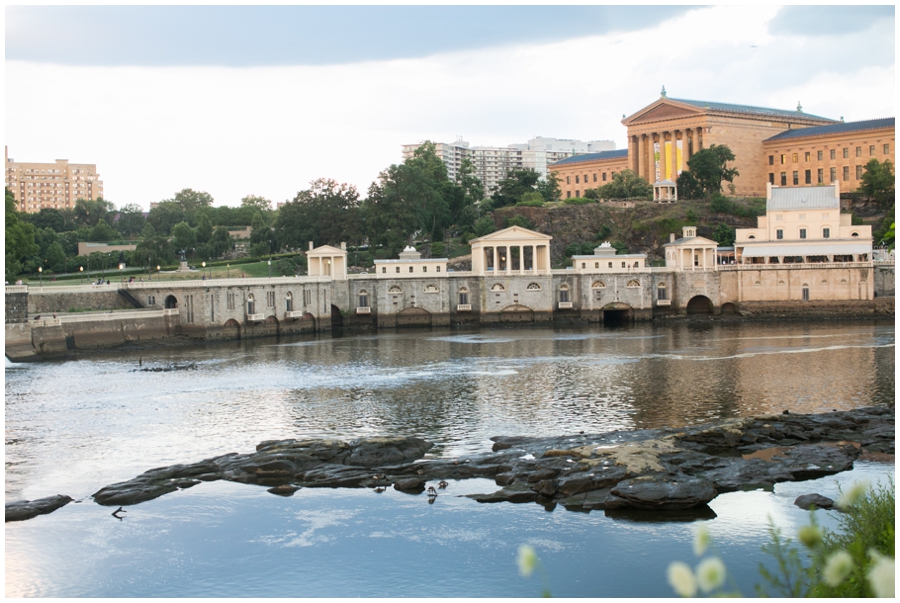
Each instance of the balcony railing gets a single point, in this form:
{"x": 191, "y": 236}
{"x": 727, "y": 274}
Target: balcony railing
{"x": 364, "y": 310}
{"x": 255, "y": 317}
{"x": 293, "y": 314}
{"x": 664, "y": 302}
{"x": 565, "y": 305}
{"x": 463, "y": 307}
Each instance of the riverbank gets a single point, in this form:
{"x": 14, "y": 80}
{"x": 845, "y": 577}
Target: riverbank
{"x": 659, "y": 469}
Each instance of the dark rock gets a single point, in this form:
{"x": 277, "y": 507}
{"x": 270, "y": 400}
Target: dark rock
{"x": 26, "y": 509}
{"x": 545, "y": 487}
{"x": 661, "y": 492}
{"x": 506, "y": 495}
{"x": 283, "y": 490}
{"x": 504, "y": 479}
{"x": 411, "y": 484}
{"x": 814, "y": 501}
{"x": 540, "y": 475}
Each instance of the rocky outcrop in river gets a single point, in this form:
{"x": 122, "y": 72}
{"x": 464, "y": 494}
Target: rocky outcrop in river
{"x": 658, "y": 469}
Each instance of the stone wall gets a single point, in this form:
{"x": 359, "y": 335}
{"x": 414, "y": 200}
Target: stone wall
{"x": 884, "y": 281}
{"x": 17, "y": 307}
{"x": 48, "y": 301}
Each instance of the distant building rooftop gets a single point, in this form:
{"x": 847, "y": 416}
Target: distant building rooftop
{"x": 732, "y": 108}
{"x": 618, "y": 154}
{"x": 804, "y": 197}
{"x": 838, "y": 128}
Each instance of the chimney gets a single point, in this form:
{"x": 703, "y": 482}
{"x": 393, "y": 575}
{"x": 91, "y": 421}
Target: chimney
{"x": 310, "y": 246}
{"x": 343, "y": 246}
{"x": 671, "y": 237}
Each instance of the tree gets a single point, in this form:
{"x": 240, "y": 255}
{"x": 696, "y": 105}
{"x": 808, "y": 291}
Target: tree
{"x": 47, "y": 218}
{"x": 90, "y": 213}
{"x": 220, "y": 242}
{"x": 878, "y": 181}
{"x": 326, "y": 212}
{"x": 463, "y": 207}
{"x": 103, "y": 232}
{"x": 191, "y": 201}
{"x": 183, "y": 237}
{"x": 626, "y": 185}
{"x": 164, "y": 216}
{"x": 55, "y": 257}
{"x": 517, "y": 183}
{"x": 484, "y": 225}
{"x": 131, "y": 220}
{"x": 549, "y": 188}
{"x": 688, "y": 187}
{"x": 204, "y": 230}
{"x": 724, "y": 235}
{"x": 19, "y": 238}
{"x": 709, "y": 168}
{"x": 256, "y": 203}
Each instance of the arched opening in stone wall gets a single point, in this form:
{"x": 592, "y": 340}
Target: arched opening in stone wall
{"x": 337, "y": 319}
{"x": 171, "y": 302}
{"x": 516, "y": 313}
{"x": 307, "y": 323}
{"x": 617, "y": 314}
{"x": 232, "y": 329}
{"x": 729, "y": 308}
{"x": 699, "y": 305}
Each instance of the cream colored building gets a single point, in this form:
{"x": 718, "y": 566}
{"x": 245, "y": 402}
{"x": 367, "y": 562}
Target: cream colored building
{"x": 410, "y": 265}
{"x": 326, "y": 260}
{"x": 605, "y": 261}
{"x": 690, "y": 252}
{"x": 513, "y": 250}
{"x": 57, "y": 185}
{"x": 803, "y": 226}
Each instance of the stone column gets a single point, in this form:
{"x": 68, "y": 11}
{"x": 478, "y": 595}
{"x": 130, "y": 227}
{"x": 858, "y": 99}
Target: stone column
{"x": 496, "y": 264}
{"x": 641, "y": 157}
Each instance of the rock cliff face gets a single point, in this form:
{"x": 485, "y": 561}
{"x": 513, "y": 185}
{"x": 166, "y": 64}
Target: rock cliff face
{"x": 660, "y": 469}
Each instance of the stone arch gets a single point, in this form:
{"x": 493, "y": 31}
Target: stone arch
{"x": 251, "y": 304}
{"x": 171, "y": 302}
{"x": 699, "y": 304}
{"x": 307, "y": 323}
{"x": 232, "y": 329}
{"x": 617, "y": 313}
{"x": 729, "y": 308}
{"x": 395, "y": 289}
{"x": 516, "y": 313}
{"x": 414, "y": 317}
{"x": 431, "y": 289}
{"x": 598, "y": 285}
{"x": 633, "y": 284}
{"x": 337, "y": 319}
{"x": 497, "y": 287}
{"x": 271, "y": 325}
{"x": 533, "y": 287}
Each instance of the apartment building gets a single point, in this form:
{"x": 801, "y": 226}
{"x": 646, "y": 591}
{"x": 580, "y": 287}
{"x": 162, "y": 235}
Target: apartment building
{"x": 493, "y": 163}
{"x": 57, "y": 185}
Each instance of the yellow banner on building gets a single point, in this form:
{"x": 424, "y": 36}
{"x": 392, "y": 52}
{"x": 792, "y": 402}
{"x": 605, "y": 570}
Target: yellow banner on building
{"x": 668, "y": 160}
{"x": 679, "y": 156}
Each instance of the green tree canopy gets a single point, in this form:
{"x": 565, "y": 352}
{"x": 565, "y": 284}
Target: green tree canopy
{"x": 724, "y": 235}
{"x": 626, "y": 185}
{"x": 688, "y": 187}
{"x": 709, "y": 168}
{"x": 517, "y": 183}
{"x": 19, "y": 238}
{"x": 183, "y": 238}
{"x": 131, "y": 220}
{"x": 165, "y": 216}
{"x": 103, "y": 232}
{"x": 256, "y": 203}
{"x": 549, "y": 188}
{"x": 878, "y": 181}
{"x": 325, "y": 213}
{"x": 191, "y": 201}
{"x": 90, "y": 213}
{"x": 204, "y": 230}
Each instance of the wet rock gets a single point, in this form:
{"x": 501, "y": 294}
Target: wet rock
{"x": 545, "y": 487}
{"x": 411, "y": 484}
{"x": 661, "y": 492}
{"x": 540, "y": 475}
{"x": 375, "y": 452}
{"x": 814, "y": 501}
{"x": 26, "y": 509}
{"x": 513, "y": 495}
{"x": 504, "y": 479}
{"x": 283, "y": 490}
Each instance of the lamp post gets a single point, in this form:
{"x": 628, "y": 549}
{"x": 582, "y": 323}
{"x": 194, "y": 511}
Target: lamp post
{"x": 228, "y": 266}
{"x": 81, "y": 274}
{"x": 121, "y": 268}
{"x": 203, "y": 272}
{"x": 41, "y": 276}
{"x": 270, "y": 267}
{"x": 157, "y": 272}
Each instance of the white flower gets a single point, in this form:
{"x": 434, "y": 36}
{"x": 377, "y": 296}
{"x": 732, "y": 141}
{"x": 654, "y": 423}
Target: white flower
{"x": 681, "y": 578}
{"x": 881, "y": 576}
{"x": 701, "y": 540}
{"x": 527, "y": 560}
{"x": 837, "y": 568}
{"x": 810, "y": 535}
{"x": 711, "y": 574}
{"x": 849, "y": 498}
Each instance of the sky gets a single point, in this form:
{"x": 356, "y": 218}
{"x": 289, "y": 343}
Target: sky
{"x": 238, "y": 100}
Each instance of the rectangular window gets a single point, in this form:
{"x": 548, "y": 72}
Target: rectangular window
{"x": 826, "y": 233}
{"x": 568, "y": 180}
{"x": 410, "y": 268}
{"x": 808, "y": 174}
{"x": 270, "y": 299}
{"x": 820, "y": 176}
{"x": 831, "y": 154}
{"x": 595, "y": 174}
{"x": 846, "y": 173}
{"x": 771, "y": 159}
{"x": 887, "y": 149}
{"x": 783, "y": 178}
{"x": 424, "y": 268}
{"x": 846, "y": 153}
{"x": 859, "y": 172}
{"x": 771, "y": 177}
{"x": 859, "y": 151}
{"x": 307, "y": 297}
{"x": 871, "y": 150}
{"x": 783, "y": 159}
{"x": 384, "y": 270}
{"x": 819, "y": 155}
{"x": 363, "y": 300}
{"x": 576, "y": 179}
{"x": 463, "y": 298}
{"x": 437, "y": 269}
{"x": 568, "y": 194}
{"x": 802, "y": 233}
{"x": 779, "y": 234}
{"x": 796, "y": 177}
{"x": 833, "y": 174}
{"x": 604, "y": 174}
{"x": 577, "y": 193}
{"x": 806, "y": 157}
{"x": 794, "y": 158}
{"x": 398, "y": 269}
{"x": 564, "y": 295}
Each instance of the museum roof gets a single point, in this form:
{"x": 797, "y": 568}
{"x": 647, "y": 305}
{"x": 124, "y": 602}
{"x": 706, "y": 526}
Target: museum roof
{"x": 803, "y": 197}
{"x": 839, "y": 128}
{"x": 618, "y": 154}
{"x": 732, "y": 108}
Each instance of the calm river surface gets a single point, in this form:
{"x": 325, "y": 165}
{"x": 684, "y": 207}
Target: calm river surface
{"x": 74, "y": 426}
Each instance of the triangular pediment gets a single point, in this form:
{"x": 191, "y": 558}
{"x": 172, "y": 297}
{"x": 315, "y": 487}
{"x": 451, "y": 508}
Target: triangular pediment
{"x": 661, "y": 110}
{"x": 325, "y": 250}
{"x": 513, "y": 233}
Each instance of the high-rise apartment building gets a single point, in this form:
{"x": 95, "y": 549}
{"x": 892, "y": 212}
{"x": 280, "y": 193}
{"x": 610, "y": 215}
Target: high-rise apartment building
{"x": 58, "y": 185}
{"x": 493, "y": 163}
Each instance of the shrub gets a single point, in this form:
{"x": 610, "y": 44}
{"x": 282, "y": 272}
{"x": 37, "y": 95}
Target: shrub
{"x": 521, "y": 221}
{"x": 580, "y": 201}
{"x": 437, "y": 249}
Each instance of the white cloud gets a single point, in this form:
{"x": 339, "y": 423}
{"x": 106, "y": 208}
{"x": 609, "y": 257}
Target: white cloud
{"x": 269, "y": 131}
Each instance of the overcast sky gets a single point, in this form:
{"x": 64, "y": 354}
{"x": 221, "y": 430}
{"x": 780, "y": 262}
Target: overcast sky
{"x": 242, "y": 100}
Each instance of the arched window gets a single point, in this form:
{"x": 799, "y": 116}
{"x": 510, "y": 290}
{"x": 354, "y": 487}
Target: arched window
{"x": 633, "y": 284}
{"x": 564, "y": 293}
{"x": 395, "y": 289}
{"x": 497, "y": 287}
{"x": 751, "y": 237}
{"x": 533, "y": 287}
{"x": 854, "y": 234}
{"x": 598, "y": 285}
{"x": 363, "y": 299}
{"x": 661, "y": 291}
{"x": 289, "y": 302}
{"x": 463, "y": 296}
{"x": 251, "y": 304}
{"x": 431, "y": 289}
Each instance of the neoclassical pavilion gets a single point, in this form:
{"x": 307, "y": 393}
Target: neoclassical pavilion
{"x": 513, "y": 250}
{"x": 327, "y": 261}
{"x": 690, "y": 252}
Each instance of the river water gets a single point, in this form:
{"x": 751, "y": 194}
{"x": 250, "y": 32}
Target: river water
{"x": 74, "y": 426}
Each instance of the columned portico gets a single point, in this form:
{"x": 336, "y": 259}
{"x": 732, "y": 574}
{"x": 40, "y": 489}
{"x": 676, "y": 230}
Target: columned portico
{"x": 511, "y": 251}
